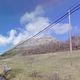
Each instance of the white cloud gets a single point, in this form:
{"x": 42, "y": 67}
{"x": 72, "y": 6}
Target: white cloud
{"x": 37, "y": 25}
{"x": 8, "y": 39}
{"x": 32, "y": 16}
{"x": 33, "y": 23}
{"x": 61, "y": 28}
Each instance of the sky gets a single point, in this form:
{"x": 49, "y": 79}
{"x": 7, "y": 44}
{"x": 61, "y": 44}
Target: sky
{"x": 21, "y": 19}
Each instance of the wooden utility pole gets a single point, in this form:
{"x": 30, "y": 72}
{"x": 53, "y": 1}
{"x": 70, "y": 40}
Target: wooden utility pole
{"x": 70, "y": 36}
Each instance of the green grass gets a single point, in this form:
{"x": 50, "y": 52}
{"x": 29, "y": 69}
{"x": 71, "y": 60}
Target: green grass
{"x": 45, "y": 66}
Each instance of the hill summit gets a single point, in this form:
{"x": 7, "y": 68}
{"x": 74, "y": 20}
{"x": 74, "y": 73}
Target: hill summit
{"x": 44, "y": 45}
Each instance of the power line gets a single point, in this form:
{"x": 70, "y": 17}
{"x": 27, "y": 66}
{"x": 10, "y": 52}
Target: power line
{"x": 74, "y": 9}
{"x": 71, "y": 12}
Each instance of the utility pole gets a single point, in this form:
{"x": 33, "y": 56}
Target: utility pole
{"x": 70, "y": 36}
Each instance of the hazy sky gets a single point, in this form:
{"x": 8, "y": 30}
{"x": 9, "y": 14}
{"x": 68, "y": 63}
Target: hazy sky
{"x": 21, "y": 19}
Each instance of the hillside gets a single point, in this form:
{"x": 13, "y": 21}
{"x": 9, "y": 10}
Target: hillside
{"x": 44, "y": 45}
{"x": 54, "y": 65}
{"x": 57, "y": 66}
{"x": 34, "y": 46}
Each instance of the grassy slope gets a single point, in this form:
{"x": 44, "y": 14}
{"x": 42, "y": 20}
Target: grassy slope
{"x": 65, "y": 64}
